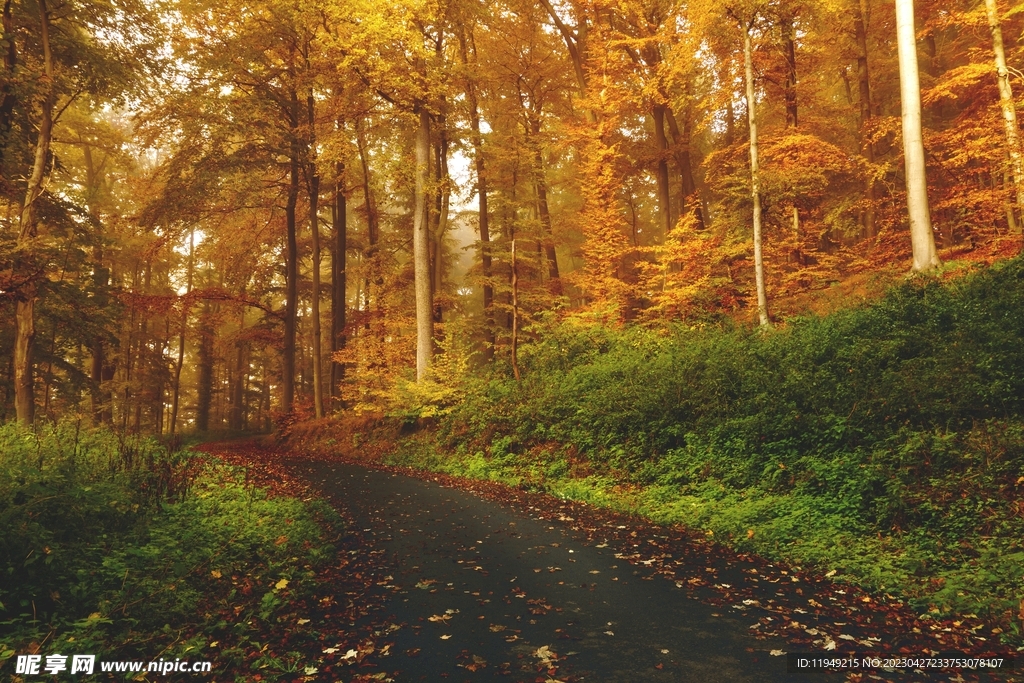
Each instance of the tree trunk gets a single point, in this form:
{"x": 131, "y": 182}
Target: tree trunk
{"x": 421, "y": 251}
{"x": 482, "y": 209}
{"x": 682, "y": 139}
{"x": 730, "y": 121}
{"x": 789, "y": 40}
{"x": 1008, "y": 107}
{"x": 921, "y": 237}
{"x": 314, "y": 227}
{"x": 237, "y": 383}
{"x": 541, "y": 188}
{"x": 515, "y": 314}
{"x": 860, "y": 30}
{"x": 291, "y": 267}
{"x": 755, "y": 180}
{"x": 204, "y": 387}
{"x": 100, "y": 373}
{"x": 176, "y": 390}
{"x": 8, "y": 99}
{"x": 24, "y": 311}
{"x": 372, "y": 225}
{"x": 338, "y": 277}
{"x": 661, "y": 149}
{"x": 442, "y": 189}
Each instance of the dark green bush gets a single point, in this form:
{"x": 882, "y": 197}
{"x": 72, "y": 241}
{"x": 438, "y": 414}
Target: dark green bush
{"x": 897, "y": 379}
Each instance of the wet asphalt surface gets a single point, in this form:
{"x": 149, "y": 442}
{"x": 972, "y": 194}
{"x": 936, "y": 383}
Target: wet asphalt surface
{"x": 479, "y": 589}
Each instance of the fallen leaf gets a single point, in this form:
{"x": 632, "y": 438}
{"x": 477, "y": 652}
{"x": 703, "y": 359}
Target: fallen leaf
{"x": 445, "y": 637}
{"x": 303, "y": 621}
{"x": 477, "y": 663}
{"x": 776, "y": 653}
{"x": 216, "y": 574}
{"x": 283, "y": 583}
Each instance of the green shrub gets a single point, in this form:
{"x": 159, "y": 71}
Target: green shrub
{"x": 112, "y": 543}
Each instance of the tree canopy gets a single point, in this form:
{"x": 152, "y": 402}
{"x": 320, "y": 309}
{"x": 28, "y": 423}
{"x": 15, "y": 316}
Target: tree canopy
{"x": 223, "y": 215}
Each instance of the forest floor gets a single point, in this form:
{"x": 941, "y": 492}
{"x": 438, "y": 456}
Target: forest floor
{"x": 467, "y": 580}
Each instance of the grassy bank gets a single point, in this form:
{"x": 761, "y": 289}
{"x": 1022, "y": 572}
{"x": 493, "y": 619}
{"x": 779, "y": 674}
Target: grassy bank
{"x": 885, "y": 442}
{"x": 117, "y": 547}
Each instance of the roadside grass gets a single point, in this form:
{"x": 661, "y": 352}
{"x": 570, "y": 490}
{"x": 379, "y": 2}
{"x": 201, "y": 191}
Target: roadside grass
{"x": 884, "y": 442}
{"x": 118, "y": 547}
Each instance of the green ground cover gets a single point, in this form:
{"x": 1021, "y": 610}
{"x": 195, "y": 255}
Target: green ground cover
{"x": 120, "y": 548}
{"x": 884, "y": 442}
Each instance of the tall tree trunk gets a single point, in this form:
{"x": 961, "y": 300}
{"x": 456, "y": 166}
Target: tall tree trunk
{"x": 482, "y": 209}
{"x": 314, "y": 227}
{"x": 442, "y": 203}
{"x": 860, "y": 30}
{"x": 372, "y": 224}
{"x": 421, "y": 251}
{"x": 661, "y": 149}
{"x": 789, "y": 41}
{"x": 291, "y": 267}
{"x": 515, "y": 314}
{"x": 7, "y": 96}
{"x": 1008, "y": 107}
{"x": 683, "y": 138}
{"x": 921, "y": 237}
{"x": 238, "y": 377}
{"x": 204, "y": 386}
{"x": 24, "y": 311}
{"x": 369, "y": 202}
{"x": 755, "y": 179}
{"x": 100, "y": 372}
{"x": 541, "y": 188}
{"x": 176, "y": 389}
{"x": 142, "y": 365}
{"x": 338, "y": 282}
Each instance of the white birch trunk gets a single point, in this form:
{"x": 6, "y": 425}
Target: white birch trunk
{"x": 922, "y": 239}
{"x": 1007, "y": 104}
{"x": 755, "y": 180}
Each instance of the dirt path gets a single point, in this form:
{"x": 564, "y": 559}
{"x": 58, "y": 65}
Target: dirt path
{"x": 483, "y": 591}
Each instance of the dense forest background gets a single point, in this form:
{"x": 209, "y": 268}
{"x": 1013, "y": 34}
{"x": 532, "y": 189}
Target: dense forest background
{"x": 225, "y": 216}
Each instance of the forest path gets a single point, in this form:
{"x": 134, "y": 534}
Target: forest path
{"x": 480, "y": 587}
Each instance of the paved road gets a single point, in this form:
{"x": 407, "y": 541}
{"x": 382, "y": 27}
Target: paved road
{"x": 480, "y": 587}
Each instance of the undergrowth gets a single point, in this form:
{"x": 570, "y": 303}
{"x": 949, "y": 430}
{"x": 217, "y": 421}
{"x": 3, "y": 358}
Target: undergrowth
{"x": 118, "y": 547}
{"x": 885, "y": 442}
